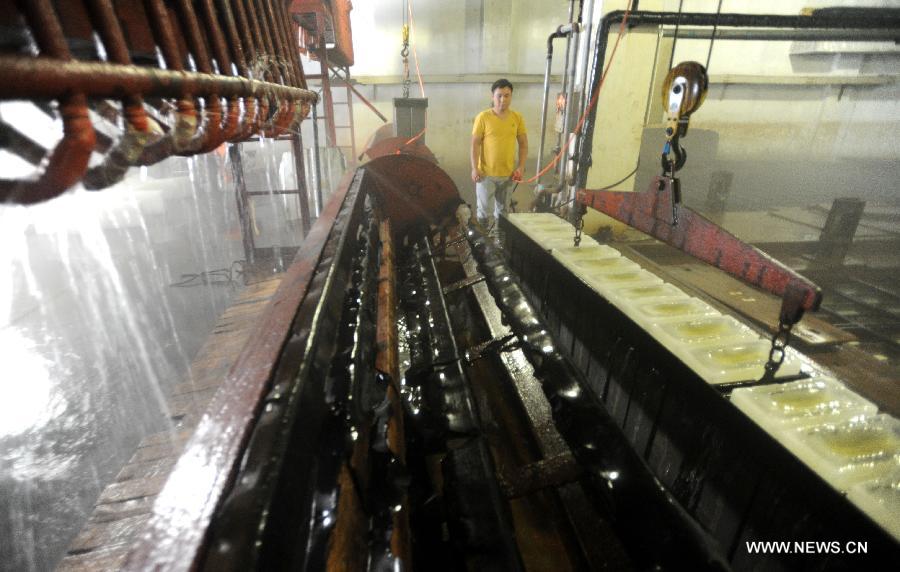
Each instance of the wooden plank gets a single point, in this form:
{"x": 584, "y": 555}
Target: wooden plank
{"x": 118, "y": 510}
{"x": 108, "y": 534}
{"x": 101, "y": 559}
{"x": 756, "y": 305}
{"x": 155, "y": 452}
{"x": 192, "y": 402}
{"x": 145, "y": 469}
{"x": 165, "y": 437}
{"x": 132, "y": 489}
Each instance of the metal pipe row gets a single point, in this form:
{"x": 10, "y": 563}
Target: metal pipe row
{"x": 230, "y": 66}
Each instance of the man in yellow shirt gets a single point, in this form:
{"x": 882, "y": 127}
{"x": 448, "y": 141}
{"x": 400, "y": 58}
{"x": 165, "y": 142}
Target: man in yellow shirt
{"x": 496, "y": 135}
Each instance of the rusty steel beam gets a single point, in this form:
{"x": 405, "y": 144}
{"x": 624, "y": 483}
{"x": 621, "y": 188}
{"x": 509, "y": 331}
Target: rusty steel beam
{"x": 359, "y": 95}
{"x": 658, "y": 213}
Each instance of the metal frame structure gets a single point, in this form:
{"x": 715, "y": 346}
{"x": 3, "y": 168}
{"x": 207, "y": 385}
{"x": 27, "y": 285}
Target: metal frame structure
{"x": 229, "y": 74}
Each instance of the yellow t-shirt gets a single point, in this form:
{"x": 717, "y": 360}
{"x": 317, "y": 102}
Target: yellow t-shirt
{"x": 499, "y": 141}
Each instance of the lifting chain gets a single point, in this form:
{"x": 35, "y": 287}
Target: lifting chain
{"x": 579, "y": 225}
{"x": 780, "y": 341}
{"x": 404, "y": 53}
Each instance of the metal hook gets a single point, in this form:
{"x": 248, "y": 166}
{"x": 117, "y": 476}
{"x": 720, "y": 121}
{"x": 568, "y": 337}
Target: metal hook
{"x": 673, "y": 148}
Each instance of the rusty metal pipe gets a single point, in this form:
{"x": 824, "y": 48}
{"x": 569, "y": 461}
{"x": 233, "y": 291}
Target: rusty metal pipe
{"x": 187, "y": 131}
{"x": 250, "y": 51}
{"x": 249, "y": 115}
{"x": 164, "y": 34}
{"x": 282, "y": 121}
{"x": 69, "y": 160}
{"x": 67, "y": 163}
{"x": 210, "y": 129}
{"x": 260, "y": 65}
{"x": 292, "y": 31}
{"x": 54, "y": 78}
{"x": 220, "y": 53}
{"x": 137, "y": 125}
{"x": 256, "y": 38}
{"x": 291, "y": 48}
{"x": 281, "y": 42}
{"x": 284, "y": 114}
{"x": 270, "y": 41}
{"x": 241, "y": 36}
{"x": 137, "y": 30}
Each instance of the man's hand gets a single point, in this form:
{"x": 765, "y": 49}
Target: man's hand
{"x": 517, "y": 175}
{"x": 476, "y": 175}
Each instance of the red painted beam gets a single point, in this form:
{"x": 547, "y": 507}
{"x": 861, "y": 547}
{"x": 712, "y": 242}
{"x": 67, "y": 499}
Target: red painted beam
{"x": 651, "y": 212}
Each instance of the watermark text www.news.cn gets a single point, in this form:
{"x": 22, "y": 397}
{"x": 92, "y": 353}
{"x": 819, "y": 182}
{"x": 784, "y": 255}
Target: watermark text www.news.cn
{"x": 807, "y": 547}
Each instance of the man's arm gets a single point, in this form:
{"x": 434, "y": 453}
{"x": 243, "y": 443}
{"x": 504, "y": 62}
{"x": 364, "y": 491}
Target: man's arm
{"x": 474, "y": 156}
{"x": 523, "y": 154}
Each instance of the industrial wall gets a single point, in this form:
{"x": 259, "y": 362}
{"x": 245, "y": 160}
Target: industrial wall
{"x": 792, "y": 122}
{"x": 462, "y": 48}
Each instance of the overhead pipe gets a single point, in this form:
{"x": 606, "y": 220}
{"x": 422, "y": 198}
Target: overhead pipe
{"x": 182, "y": 135}
{"x": 289, "y": 55}
{"x": 568, "y": 90}
{"x": 284, "y": 116}
{"x": 138, "y": 133}
{"x": 248, "y": 104}
{"x": 223, "y": 61}
{"x": 275, "y": 42}
{"x": 249, "y": 34}
{"x": 560, "y": 32}
{"x": 210, "y": 133}
{"x": 585, "y": 58}
{"x": 565, "y": 81}
{"x": 136, "y": 27}
{"x": 292, "y": 42}
{"x": 54, "y": 78}
{"x": 69, "y": 159}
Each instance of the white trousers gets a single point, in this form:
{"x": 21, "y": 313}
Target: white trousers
{"x": 491, "y": 190}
